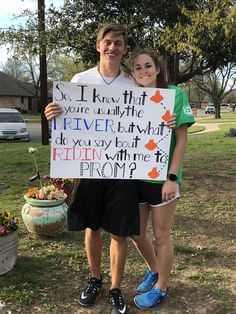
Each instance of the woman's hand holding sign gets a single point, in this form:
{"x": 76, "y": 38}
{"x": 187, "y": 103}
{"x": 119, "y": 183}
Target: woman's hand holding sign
{"x": 171, "y": 123}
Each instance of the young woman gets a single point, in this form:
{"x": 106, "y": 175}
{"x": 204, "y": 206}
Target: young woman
{"x": 159, "y": 198}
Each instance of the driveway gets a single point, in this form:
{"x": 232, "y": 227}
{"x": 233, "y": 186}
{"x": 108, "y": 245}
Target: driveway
{"x": 35, "y": 131}
{"x": 210, "y": 127}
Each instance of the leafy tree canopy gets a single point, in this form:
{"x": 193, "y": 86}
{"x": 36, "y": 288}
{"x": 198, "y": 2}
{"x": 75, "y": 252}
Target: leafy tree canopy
{"x": 199, "y": 33}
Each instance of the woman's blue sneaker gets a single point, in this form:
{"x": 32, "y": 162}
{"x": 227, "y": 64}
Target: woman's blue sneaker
{"x": 149, "y": 299}
{"x": 148, "y": 282}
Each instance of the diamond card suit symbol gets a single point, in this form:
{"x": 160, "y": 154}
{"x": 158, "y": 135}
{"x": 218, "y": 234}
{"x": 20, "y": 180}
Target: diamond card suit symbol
{"x": 157, "y": 97}
{"x": 166, "y": 116}
{"x": 153, "y": 174}
{"x": 151, "y": 144}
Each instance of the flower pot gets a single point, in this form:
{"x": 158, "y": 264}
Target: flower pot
{"x": 8, "y": 251}
{"x": 45, "y": 217}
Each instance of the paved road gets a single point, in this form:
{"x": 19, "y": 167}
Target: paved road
{"x": 34, "y": 131}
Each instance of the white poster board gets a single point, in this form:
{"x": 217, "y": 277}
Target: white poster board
{"x": 111, "y": 132}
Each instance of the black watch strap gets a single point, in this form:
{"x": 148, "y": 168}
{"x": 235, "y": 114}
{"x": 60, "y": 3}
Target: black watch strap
{"x": 172, "y": 177}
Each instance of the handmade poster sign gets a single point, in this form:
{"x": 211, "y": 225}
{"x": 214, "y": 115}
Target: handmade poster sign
{"x": 111, "y": 132}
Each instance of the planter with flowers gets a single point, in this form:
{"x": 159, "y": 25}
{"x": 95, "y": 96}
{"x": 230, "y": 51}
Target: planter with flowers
{"x": 8, "y": 242}
{"x": 64, "y": 184}
{"x": 45, "y": 210}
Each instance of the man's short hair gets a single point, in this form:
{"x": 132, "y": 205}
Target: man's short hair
{"x": 118, "y": 29}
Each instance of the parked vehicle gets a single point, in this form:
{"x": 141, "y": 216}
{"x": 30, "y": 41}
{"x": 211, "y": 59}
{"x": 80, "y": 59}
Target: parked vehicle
{"x": 12, "y": 125}
{"x": 210, "y": 108}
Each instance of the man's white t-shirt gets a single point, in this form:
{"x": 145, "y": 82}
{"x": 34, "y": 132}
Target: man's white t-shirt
{"x": 92, "y": 76}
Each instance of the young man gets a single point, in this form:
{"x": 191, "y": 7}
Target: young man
{"x": 106, "y": 204}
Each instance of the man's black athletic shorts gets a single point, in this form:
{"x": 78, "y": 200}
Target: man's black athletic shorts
{"x": 104, "y": 203}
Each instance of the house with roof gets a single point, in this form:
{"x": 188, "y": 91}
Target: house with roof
{"x": 16, "y": 94}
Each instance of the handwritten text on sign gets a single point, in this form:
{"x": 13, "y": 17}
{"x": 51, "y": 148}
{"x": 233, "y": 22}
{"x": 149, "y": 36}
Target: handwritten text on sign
{"x": 111, "y": 132}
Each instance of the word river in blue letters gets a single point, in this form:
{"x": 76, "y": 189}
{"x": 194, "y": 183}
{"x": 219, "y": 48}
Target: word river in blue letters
{"x": 82, "y": 124}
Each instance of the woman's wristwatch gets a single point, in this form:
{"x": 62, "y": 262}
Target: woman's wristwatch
{"x": 172, "y": 177}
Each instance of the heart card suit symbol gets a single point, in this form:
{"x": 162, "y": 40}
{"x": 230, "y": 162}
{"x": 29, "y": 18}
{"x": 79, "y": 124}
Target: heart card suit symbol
{"x": 153, "y": 174}
{"x": 157, "y": 97}
{"x": 151, "y": 145}
{"x": 166, "y": 116}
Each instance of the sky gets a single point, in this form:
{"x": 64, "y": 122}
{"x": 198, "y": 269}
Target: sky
{"x": 9, "y": 8}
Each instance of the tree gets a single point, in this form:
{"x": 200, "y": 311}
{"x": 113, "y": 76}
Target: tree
{"x": 26, "y": 68}
{"x": 15, "y": 68}
{"x": 195, "y": 94}
{"x": 63, "y": 68}
{"x": 200, "y": 33}
{"x": 218, "y": 85}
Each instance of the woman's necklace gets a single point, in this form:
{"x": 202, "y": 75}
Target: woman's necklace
{"x": 108, "y": 83}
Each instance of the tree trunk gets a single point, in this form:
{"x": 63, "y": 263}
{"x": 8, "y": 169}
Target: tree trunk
{"x": 217, "y": 108}
{"x": 217, "y": 114}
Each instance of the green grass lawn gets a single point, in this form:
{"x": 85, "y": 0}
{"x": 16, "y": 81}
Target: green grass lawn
{"x": 51, "y": 272}
{"x": 194, "y": 129}
{"x": 32, "y": 117}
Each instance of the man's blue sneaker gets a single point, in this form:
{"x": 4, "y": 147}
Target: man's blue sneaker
{"x": 148, "y": 282}
{"x": 149, "y": 299}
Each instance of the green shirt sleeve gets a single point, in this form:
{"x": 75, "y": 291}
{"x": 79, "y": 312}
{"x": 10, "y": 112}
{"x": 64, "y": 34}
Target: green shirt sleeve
{"x": 184, "y": 114}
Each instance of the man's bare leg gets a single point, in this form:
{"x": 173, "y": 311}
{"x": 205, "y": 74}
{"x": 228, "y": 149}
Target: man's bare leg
{"x": 93, "y": 246}
{"x": 118, "y": 252}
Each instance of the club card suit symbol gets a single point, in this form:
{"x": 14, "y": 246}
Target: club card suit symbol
{"x": 166, "y": 116}
{"x": 151, "y": 144}
{"x": 157, "y": 97}
{"x": 153, "y": 174}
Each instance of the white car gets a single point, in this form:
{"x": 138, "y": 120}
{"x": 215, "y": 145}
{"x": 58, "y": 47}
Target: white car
{"x": 12, "y": 125}
{"x": 210, "y": 108}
